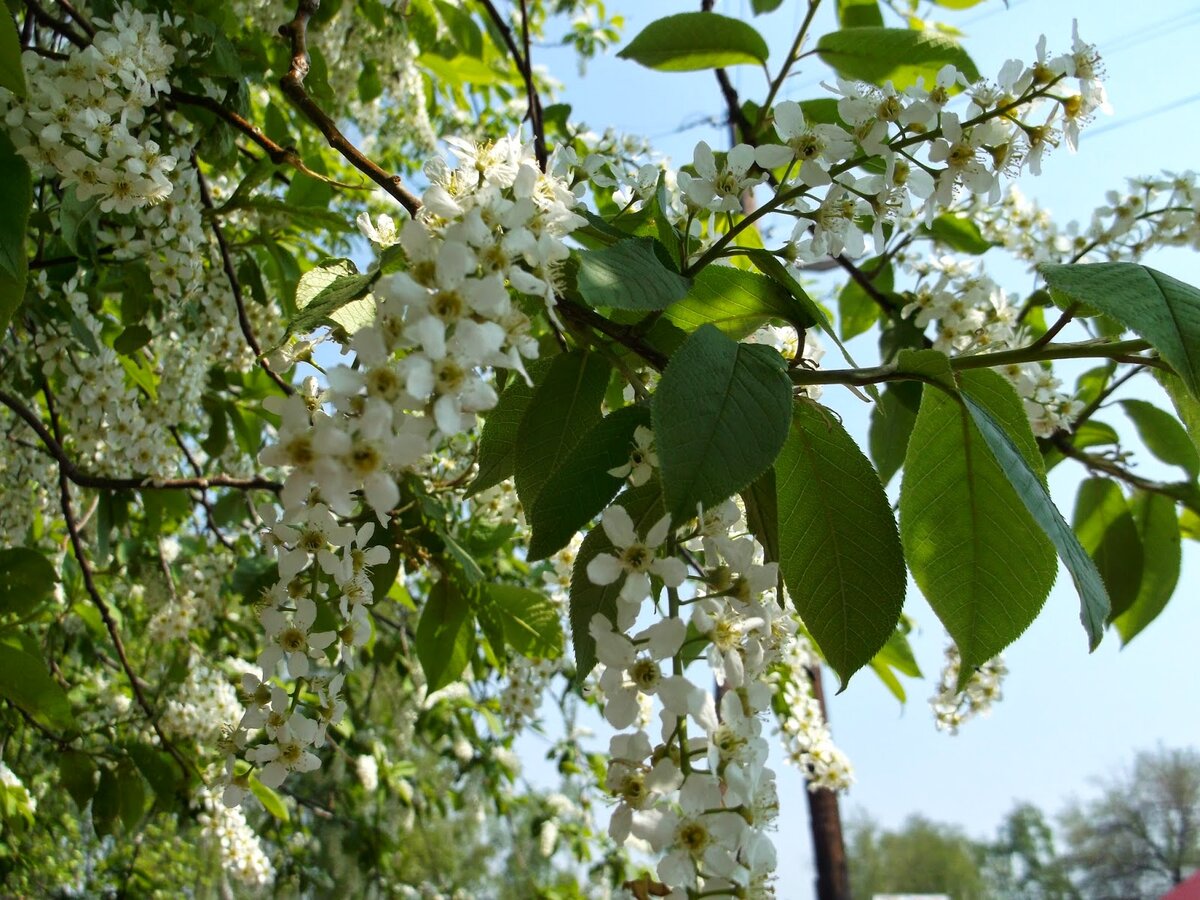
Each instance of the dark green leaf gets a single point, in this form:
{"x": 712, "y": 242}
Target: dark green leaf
{"x": 858, "y": 13}
{"x": 1027, "y": 480}
{"x": 762, "y": 513}
{"x": 1164, "y": 311}
{"x": 12, "y": 73}
{"x": 959, "y": 233}
{"x": 896, "y": 654}
{"x": 132, "y": 339}
{"x": 689, "y": 41}
{"x": 131, "y": 795}
{"x": 645, "y": 507}
{"x": 564, "y": 406}
{"x": 16, "y": 198}
{"x": 444, "y": 635}
{"x": 765, "y": 6}
{"x": 77, "y": 774}
{"x": 26, "y": 579}
{"x": 1158, "y": 533}
{"x": 1163, "y": 435}
{"x": 25, "y": 682}
{"x": 106, "y": 804}
{"x": 839, "y": 550}
{"x": 580, "y": 486}
{"x": 892, "y": 421}
{"x": 963, "y": 523}
{"x": 1104, "y": 525}
{"x": 721, "y": 413}
{"x": 498, "y": 441}
{"x": 1187, "y": 405}
{"x": 628, "y": 275}
{"x": 898, "y": 55}
{"x": 530, "y": 621}
{"x": 858, "y": 311}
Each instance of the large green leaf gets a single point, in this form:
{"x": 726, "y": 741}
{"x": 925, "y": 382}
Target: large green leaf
{"x": 1158, "y": 532}
{"x": 25, "y": 682}
{"x": 12, "y": 73}
{"x": 762, "y": 513}
{"x": 1187, "y": 405}
{"x": 765, "y": 6}
{"x": 839, "y": 551}
{"x": 498, "y": 440}
{"x": 16, "y": 198}
{"x": 892, "y": 420}
{"x": 899, "y": 55}
{"x": 332, "y": 292}
{"x": 721, "y": 413}
{"x": 581, "y": 486}
{"x": 696, "y": 40}
{"x": 979, "y": 557}
{"x": 563, "y": 407}
{"x": 735, "y": 301}
{"x": 26, "y": 579}
{"x": 858, "y": 13}
{"x": 445, "y": 634}
{"x": 530, "y": 621}
{"x": 1105, "y": 527}
{"x": 1163, "y": 435}
{"x": 645, "y": 507}
{"x": 857, "y": 310}
{"x": 1163, "y": 310}
{"x": 1031, "y": 489}
{"x": 628, "y": 275}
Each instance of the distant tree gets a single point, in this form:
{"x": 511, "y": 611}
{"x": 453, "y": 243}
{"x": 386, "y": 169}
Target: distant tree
{"x": 922, "y": 856}
{"x": 1024, "y": 863}
{"x": 1141, "y": 836}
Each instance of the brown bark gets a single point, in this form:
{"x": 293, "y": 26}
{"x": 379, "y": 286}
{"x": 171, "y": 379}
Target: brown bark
{"x": 825, "y": 822}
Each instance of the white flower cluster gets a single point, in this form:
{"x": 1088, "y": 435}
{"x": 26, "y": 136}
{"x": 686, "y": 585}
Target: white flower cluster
{"x": 84, "y": 121}
{"x": 241, "y": 851}
{"x": 972, "y": 314}
{"x": 930, "y": 153}
{"x": 202, "y": 705}
{"x": 492, "y": 225}
{"x": 703, "y": 801}
{"x": 807, "y": 742}
{"x": 953, "y": 708}
{"x": 16, "y": 796}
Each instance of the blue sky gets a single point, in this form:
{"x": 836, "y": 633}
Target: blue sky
{"x": 1067, "y": 716}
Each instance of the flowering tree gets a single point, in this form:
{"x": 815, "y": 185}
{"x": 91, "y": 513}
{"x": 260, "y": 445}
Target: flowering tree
{"x": 298, "y": 460}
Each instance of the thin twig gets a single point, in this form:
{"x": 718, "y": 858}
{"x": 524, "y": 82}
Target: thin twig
{"x": 202, "y": 495}
{"x": 866, "y": 282}
{"x": 292, "y": 83}
{"x": 619, "y": 333}
{"x": 235, "y": 287}
{"x": 1180, "y": 492}
{"x": 110, "y": 624}
{"x": 79, "y": 17}
{"x": 88, "y": 480}
{"x": 61, "y": 27}
{"x": 523, "y": 66}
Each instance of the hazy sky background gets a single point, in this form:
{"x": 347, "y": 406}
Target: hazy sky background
{"x": 1067, "y": 716}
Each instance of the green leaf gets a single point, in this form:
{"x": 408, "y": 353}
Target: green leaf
{"x": 928, "y": 366}
{"x": 25, "y": 682}
{"x": 26, "y": 579}
{"x": 1027, "y": 480}
{"x": 963, "y": 524}
{"x": 721, "y": 414}
{"x": 858, "y": 13}
{"x": 1164, "y": 311}
{"x": 159, "y": 770}
{"x": 132, "y": 339}
{"x": 645, "y": 507}
{"x": 628, "y": 275}
{"x": 689, "y": 41}
{"x": 1104, "y": 525}
{"x": 959, "y": 233}
{"x": 896, "y": 654}
{"x": 106, "y": 804}
{"x": 530, "y": 621}
{"x": 563, "y": 407}
{"x": 1163, "y": 435}
{"x": 765, "y": 6}
{"x": 892, "y": 421}
{"x": 77, "y": 774}
{"x": 16, "y": 199}
{"x": 1187, "y": 405}
{"x": 270, "y": 799}
{"x": 580, "y": 486}
{"x": 323, "y": 291}
{"x": 762, "y": 513}
{"x": 498, "y": 440}
{"x": 899, "y": 55}
{"x": 444, "y": 634}
{"x": 12, "y": 73}
{"x": 857, "y": 310}
{"x": 131, "y": 795}
{"x": 735, "y": 301}
{"x": 839, "y": 551}
{"x": 1158, "y": 532}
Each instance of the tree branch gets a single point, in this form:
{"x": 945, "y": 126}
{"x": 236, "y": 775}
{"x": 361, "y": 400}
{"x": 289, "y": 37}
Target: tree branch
{"x": 525, "y": 67}
{"x": 293, "y": 88}
{"x": 235, "y": 287}
{"x": 84, "y": 479}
